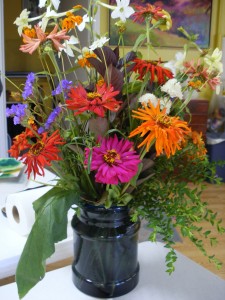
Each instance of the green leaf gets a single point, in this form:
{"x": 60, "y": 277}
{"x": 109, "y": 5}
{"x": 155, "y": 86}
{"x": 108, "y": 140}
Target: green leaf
{"x": 49, "y": 228}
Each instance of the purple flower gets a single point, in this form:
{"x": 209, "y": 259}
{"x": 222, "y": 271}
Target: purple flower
{"x": 63, "y": 86}
{"x": 51, "y": 118}
{"x": 28, "y": 88}
{"x": 17, "y": 111}
{"x": 115, "y": 161}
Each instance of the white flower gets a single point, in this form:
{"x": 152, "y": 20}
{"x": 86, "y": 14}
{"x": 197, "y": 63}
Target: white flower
{"x": 176, "y": 65}
{"x": 123, "y": 10}
{"x": 22, "y": 21}
{"x": 55, "y": 3}
{"x": 86, "y": 19}
{"x": 173, "y": 88}
{"x": 69, "y": 46}
{"x": 148, "y": 97}
{"x": 214, "y": 61}
{"x": 99, "y": 43}
{"x": 48, "y": 15}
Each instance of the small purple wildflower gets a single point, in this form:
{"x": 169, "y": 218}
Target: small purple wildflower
{"x": 17, "y": 111}
{"x": 51, "y": 118}
{"x": 28, "y": 88}
{"x": 63, "y": 86}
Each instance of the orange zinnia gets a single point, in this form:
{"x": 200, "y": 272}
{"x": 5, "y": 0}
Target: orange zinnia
{"x": 166, "y": 131}
{"x": 42, "y": 153}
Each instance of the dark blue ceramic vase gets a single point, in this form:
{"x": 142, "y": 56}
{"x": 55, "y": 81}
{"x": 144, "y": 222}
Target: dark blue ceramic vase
{"x": 105, "y": 251}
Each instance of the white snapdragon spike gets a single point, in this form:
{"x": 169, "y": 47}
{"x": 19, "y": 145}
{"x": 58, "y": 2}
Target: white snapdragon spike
{"x": 55, "y": 3}
{"x": 214, "y": 61}
{"x": 173, "y": 88}
{"x": 86, "y": 19}
{"x": 69, "y": 46}
{"x": 123, "y": 10}
{"x": 176, "y": 65}
{"x": 148, "y": 97}
{"x": 99, "y": 43}
{"x": 22, "y": 21}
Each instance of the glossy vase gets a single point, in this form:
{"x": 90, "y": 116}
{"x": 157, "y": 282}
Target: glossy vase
{"x": 105, "y": 251}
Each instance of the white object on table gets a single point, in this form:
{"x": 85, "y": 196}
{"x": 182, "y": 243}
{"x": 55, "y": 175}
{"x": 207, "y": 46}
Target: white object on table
{"x": 190, "y": 281}
{"x": 12, "y": 243}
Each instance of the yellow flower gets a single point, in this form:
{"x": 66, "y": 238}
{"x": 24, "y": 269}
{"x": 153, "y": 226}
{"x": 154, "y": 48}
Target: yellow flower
{"x": 166, "y": 21}
{"x": 166, "y": 131}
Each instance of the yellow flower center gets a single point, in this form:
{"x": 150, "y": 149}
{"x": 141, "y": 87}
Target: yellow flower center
{"x": 37, "y": 148}
{"x": 164, "y": 120}
{"x": 111, "y": 156}
{"x": 93, "y": 95}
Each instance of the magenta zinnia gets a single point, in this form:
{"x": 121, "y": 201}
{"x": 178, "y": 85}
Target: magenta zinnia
{"x": 114, "y": 160}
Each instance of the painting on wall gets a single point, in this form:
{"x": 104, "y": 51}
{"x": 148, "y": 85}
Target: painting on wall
{"x": 193, "y": 15}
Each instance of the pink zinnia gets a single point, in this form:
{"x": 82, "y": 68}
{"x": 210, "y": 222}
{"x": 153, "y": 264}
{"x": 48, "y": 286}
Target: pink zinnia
{"x": 114, "y": 160}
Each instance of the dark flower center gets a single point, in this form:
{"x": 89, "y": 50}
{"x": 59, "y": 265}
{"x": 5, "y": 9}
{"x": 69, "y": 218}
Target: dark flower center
{"x": 111, "y": 156}
{"x": 37, "y": 148}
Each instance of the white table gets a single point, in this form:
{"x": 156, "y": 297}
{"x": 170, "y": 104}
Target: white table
{"x": 190, "y": 281}
{"x": 12, "y": 243}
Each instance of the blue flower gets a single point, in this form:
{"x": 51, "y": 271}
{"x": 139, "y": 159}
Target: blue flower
{"x": 17, "y": 111}
{"x": 51, "y": 118}
{"x": 28, "y": 88}
{"x": 63, "y": 86}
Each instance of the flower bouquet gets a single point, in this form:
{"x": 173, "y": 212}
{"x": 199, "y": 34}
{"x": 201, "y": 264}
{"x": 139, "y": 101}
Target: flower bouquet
{"x": 115, "y": 134}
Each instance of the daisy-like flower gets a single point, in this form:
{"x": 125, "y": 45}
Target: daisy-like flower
{"x": 22, "y": 21}
{"x": 123, "y": 10}
{"x": 173, "y": 88}
{"x": 166, "y": 131}
{"x": 214, "y": 61}
{"x": 42, "y": 153}
{"x": 165, "y": 21}
{"x": 97, "y": 102}
{"x": 147, "y": 11}
{"x": 20, "y": 142}
{"x": 82, "y": 59}
{"x": 157, "y": 72}
{"x": 114, "y": 161}
{"x": 99, "y": 43}
{"x": 31, "y": 44}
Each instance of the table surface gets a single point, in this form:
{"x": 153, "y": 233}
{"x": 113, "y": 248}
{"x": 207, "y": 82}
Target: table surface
{"x": 190, "y": 281}
{"x": 11, "y": 242}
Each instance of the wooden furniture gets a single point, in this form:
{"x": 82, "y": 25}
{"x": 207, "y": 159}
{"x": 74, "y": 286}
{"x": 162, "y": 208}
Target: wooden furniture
{"x": 199, "y": 115}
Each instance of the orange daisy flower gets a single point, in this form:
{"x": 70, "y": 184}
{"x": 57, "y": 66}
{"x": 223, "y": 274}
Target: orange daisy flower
{"x": 166, "y": 131}
{"x": 157, "y": 72}
{"x": 41, "y": 153}
{"x": 20, "y": 143}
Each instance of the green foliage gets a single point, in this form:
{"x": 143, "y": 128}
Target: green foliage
{"x": 49, "y": 228}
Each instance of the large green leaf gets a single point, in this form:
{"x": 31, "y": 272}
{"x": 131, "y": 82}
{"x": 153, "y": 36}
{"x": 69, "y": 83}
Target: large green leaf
{"x": 49, "y": 228}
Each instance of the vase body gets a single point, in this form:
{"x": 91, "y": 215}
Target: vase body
{"x": 105, "y": 251}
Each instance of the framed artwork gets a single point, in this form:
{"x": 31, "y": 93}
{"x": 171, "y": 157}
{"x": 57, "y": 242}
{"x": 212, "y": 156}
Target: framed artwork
{"x": 193, "y": 15}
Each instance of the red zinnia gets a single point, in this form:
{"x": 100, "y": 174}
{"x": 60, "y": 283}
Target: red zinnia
{"x": 157, "y": 72}
{"x": 97, "y": 102}
{"x": 41, "y": 153}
